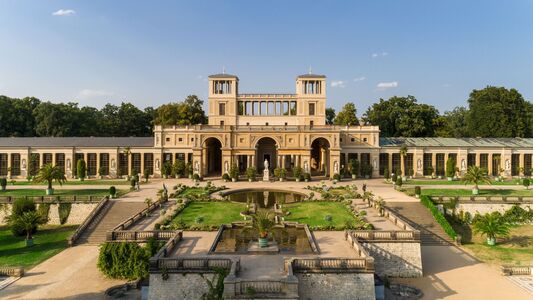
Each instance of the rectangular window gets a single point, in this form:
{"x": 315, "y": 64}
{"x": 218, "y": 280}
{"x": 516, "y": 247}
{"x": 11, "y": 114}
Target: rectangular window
{"x": 60, "y": 161}
{"x": 278, "y": 108}
{"x": 527, "y": 164}
{"x": 47, "y": 158}
{"x": 396, "y": 162}
{"x": 440, "y": 164}
{"x": 222, "y": 109}
{"x": 135, "y": 163}
{"x": 428, "y": 164}
{"x": 383, "y": 163}
{"x": 311, "y": 109}
{"x": 3, "y": 164}
{"x": 496, "y": 164}
{"x": 149, "y": 163}
{"x": 15, "y": 164}
{"x": 470, "y": 160}
{"x": 271, "y": 108}
{"x": 248, "y": 108}
{"x": 484, "y": 161}
{"x": 515, "y": 164}
{"x": 104, "y": 164}
{"x": 256, "y": 109}
{"x": 91, "y": 164}
{"x": 409, "y": 164}
{"x": 264, "y": 110}
{"x": 365, "y": 159}
{"x": 285, "y": 108}
{"x": 241, "y": 108}
{"x": 123, "y": 164}
{"x": 293, "y": 108}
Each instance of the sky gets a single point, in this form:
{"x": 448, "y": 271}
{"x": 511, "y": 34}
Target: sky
{"x": 155, "y": 52}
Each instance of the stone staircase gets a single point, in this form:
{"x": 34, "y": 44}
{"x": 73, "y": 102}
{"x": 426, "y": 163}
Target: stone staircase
{"x": 418, "y": 216}
{"x": 111, "y": 215}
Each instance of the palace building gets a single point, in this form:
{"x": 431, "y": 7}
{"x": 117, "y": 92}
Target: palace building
{"x": 287, "y": 130}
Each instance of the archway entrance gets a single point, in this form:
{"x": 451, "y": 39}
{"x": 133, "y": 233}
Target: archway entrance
{"x": 265, "y": 149}
{"x": 213, "y": 152}
{"x": 320, "y": 157}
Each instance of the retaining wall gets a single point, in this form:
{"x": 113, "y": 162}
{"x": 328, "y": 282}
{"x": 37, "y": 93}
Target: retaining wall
{"x": 78, "y": 212}
{"x": 396, "y": 259}
{"x": 315, "y": 286}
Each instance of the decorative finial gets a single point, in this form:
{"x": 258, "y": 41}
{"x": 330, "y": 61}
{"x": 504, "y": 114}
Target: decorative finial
{"x": 310, "y": 70}
{"x": 223, "y": 69}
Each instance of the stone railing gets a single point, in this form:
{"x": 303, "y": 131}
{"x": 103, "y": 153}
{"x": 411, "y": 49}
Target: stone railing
{"x": 139, "y": 215}
{"x": 12, "y": 271}
{"x": 394, "y": 218}
{"x": 87, "y": 221}
{"x": 168, "y": 247}
{"x": 139, "y": 236}
{"x": 53, "y": 199}
{"x": 482, "y": 199}
{"x": 517, "y": 270}
{"x": 387, "y": 235}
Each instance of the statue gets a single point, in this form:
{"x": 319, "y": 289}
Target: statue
{"x": 306, "y": 167}
{"x": 463, "y": 165}
{"x": 157, "y": 164}
{"x": 196, "y": 167}
{"x": 24, "y": 164}
{"x": 266, "y": 173}
{"x": 419, "y": 164}
{"x": 265, "y": 164}
{"x": 68, "y": 164}
{"x": 335, "y": 168}
{"x": 226, "y": 168}
{"x": 507, "y": 165}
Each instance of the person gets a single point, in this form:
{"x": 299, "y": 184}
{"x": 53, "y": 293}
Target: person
{"x": 364, "y": 187}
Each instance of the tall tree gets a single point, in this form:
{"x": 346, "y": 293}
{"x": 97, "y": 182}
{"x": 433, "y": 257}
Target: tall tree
{"x": 498, "y": 112}
{"x": 330, "y": 115}
{"x": 347, "y": 116}
{"x": 188, "y": 112}
{"x": 59, "y": 119}
{"x": 402, "y": 116}
{"x": 453, "y": 123}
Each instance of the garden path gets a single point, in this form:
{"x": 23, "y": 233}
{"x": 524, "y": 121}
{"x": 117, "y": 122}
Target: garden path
{"x": 372, "y": 216}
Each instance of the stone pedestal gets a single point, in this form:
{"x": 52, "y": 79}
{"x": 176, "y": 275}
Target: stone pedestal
{"x": 254, "y": 248}
{"x": 266, "y": 175}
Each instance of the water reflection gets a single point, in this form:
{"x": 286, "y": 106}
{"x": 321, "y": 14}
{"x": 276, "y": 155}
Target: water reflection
{"x": 290, "y": 240}
{"x": 265, "y": 199}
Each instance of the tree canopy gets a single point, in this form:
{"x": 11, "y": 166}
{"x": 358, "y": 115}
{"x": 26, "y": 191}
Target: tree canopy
{"x": 187, "y": 112}
{"x": 330, "y": 115}
{"x": 347, "y": 116}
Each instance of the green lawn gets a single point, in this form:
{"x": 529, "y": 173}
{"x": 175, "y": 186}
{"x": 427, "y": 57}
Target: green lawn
{"x": 468, "y": 192}
{"x": 49, "y": 240}
{"x": 314, "y": 213}
{"x": 455, "y": 182}
{"x": 194, "y": 191}
{"x": 109, "y": 182}
{"x": 58, "y": 192}
{"x": 213, "y": 213}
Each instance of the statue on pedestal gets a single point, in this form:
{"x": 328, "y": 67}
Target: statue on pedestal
{"x": 266, "y": 172}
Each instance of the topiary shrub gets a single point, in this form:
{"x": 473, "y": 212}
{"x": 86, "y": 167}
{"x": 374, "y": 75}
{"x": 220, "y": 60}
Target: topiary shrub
{"x": 20, "y": 206}
{"x": 81, "y": 169}
{"x": 64, "y": 212}
{"x": 450, "y": 167}
{"x": 526, "y": 183}
{"x": 3, "y": 183}
{"x": 418, "y": 190}
{"x": 112, "y": 191}
{"x": 399, "y": 182}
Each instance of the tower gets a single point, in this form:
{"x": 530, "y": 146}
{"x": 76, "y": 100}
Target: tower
{"x": 222, "y": 99}
{"x": 311, "y": 92}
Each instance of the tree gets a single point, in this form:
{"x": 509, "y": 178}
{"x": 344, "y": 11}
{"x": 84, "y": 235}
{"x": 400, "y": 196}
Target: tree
{"x": 29, "y": 221}
{"x": 492, "y": 225}
{"x": 450, "y": 167}
{"x": 476, "y": 175}
{"x": 453, "y": 123}
{"x": 187, "y": 112}
{"x": 48, "y": 174}
{"x": 81, "y": 169}
{"x": 498, "y": 112}
{"x": 330, "y": 115}
{"x": 402, "y": 117}
{"x": 347, "y": 116}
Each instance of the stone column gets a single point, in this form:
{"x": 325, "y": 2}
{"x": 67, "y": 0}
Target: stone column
{"x": 477, "y": 161}
{"x": 389, "y": 160}
{"x": 490, "y": 163}
{"x": 9, "y": 163}
{"x": 41, "y": 159}
{"x": 434, "y": 162}
{"x": 521, "y": 163}
{"x": 283, "y": 161}
{"x": 252, "y": 162}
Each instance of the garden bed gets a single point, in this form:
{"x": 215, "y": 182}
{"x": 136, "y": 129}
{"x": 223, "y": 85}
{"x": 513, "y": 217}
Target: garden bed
{"x": 315, "y": 214}
{"x": 468, "y": 192}
{"x": 59, "y": 192}
{"x": 207, "y": 215}
{"x": 49, "y": 240}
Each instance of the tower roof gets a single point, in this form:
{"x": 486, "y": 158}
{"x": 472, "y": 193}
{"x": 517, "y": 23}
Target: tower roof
{"x": 223, "y": 75}
{"x": 311, "y": 76}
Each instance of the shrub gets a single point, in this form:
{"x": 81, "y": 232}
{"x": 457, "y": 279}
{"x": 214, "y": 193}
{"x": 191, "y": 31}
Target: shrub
{"x": 386, "y": 173}
{"x": 44, "y": 209}
{"x": 146, "y": 175}
{"x": 81, "y": 169}
{"x": 399, "y": 181}
{"x": 124, "y": 260}
{"x": 394, "y": 177}
{"x": 418, "y": 190}
{"x": 225, "y": 176}
{"x": 328, "y": 218}
{"x": 3, "y": 183}
{"x": 234, "y": 171}
{"x": 64, "y": 212}
{"x": 277, "y": 172}
{"x": 439, "y": 217}
{"x": 196, "y": 177}
{"x": 307, "y": 176}
{"x": 354, "y": 166}
{"x": 102, "y": 171}
{"x": 20, "y": 206}
{"x": 112, "y": 191}
{"x": 250, "y": 173}
{"x": 179, "y": 167}
{"x": 526, "y": 182}
{"x": 337, "y": 176}
{"x": 199, "y": 219}
{"x": 450, "y": 167}
{"x": 297, "y": 172}
{"x": 282, "y": 173}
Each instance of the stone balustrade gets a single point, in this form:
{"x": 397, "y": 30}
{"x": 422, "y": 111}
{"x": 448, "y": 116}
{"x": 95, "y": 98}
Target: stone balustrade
{"x": 517, "y": 270}
{"x": 87, "y": 221}
{"x": 139, "y": 236}
{"x": 52, "y": 199}
{"x": 482, "y": 199}
{"x": 12, "y": 271}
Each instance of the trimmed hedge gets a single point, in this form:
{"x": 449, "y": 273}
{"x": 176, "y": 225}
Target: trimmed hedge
{"x": 123, "y": 260}
{"x": 439, "y": 217}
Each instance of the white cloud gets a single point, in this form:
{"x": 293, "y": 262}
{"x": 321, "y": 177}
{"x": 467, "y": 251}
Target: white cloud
{"x": 359, "y": 79}
{"x": 374, "y": 55}
{"x": 338, "y": 83}
{"x": 382, "y": 54}
{"x": 64, "y": 12}
{"x": 387, "y": 85}
{"x": 88, "y": 94}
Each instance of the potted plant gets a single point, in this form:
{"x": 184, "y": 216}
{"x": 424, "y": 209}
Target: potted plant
{"x": 263, "y": 222}
{"x": 386, "y": 174}
{"x": 526, "y": 182}
{"x": 29, "y": 221}
{"x": 399, "y": 182}
{"x": 179, "y": 166}
{"x": 418, "y": 191}
{"x": 367, "y": 170}
{"x": 492, "y": 225}
{"x": 380, "y": 205}
{"x": 189, "y": 169}
{"x": 297, "y": 172}
{"x": 431, "y": 172}
{"x": 225, "y": 177}
{"x": 48, "y": 174}
{"x": 250, "y": 174}
{"x": 3, "y": 183}
{"x": 81, "y": 169}
{"x": 196, "y": 177}
{"x": 411, "y": 173}
{"x": 336, "y": 177}
{"x": 354, "y": 168}
{"x": 146, "y": 175}
{"x": 101, "y": 171}
{"x": 393, "y": 178}
{"x": 307, "y": 177}
{"x": 112, "y": 192}
{"x": 476, "y": 175}
{"x": 234, "y": 172}
{"x": 280, "y": 173}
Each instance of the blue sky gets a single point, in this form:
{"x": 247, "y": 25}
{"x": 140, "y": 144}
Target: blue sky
{"x": 153, "y": 52}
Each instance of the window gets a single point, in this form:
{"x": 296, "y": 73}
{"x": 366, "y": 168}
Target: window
{"x": 293, "y": 108}
{"x": 149, "y": 163}
{"x": 286, "y": 123}
{"x": 352, "y": 140}
{"x": 311, "y": 123}
{"x": 60, "y": 161}
{"x": 428, "y": 164}
{"x": 221, "y": 123}
{"x": 439, "y": 164}
{"x": 271, "y": 109}
{"x": 248, "y": 108}
{"x": 3, "y": 164}
{"x": 264, "y": 111}
{"x": 365, "y": 140}
{"x": 484, "y": 161}
{"x": 383, "y": 163}
{"x": 527, "y": 164}
{"x": 247, "y": 123}
{"x": 266, "y": 123}
{"x": 496, "y": 164}
{"x": 470, "y": 160}
{"x": 278, "y": 108}
{"x": 47, "y": 158}
{"x": 396, "y": 160}
{"x": 180, "y": 140}
{"x": 285, "y": 108}
{"x": 222, "y": 109}
{"x": 104, "y": 164}
{"x": 122, "y": 164}
{"x": 255, "y": 111}
{"x": 135, "y": 163}
{"x": 167, "y": 139}
{"x": 15, "y": 164}
{"x": 311, "y": 109}
{"x": 91, "y": 164}
{"x": 514, "y": 164}
{"x": 241, "y": 108}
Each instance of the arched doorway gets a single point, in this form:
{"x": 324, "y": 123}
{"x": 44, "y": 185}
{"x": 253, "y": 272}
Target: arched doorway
{"x": 320, "y": 157}
{"x": 213, "y": 152}
{"x": 266, "y": 149}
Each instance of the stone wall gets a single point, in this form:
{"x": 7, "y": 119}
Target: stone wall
{"x": 314, "y": 286}
{"x": 78, "y": 212}
{"x": 186, "y": 286}
{"x": 484, "y": 208}
{"x": 396, "y": 259}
